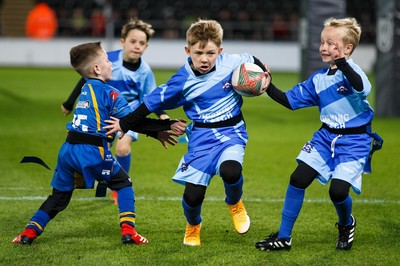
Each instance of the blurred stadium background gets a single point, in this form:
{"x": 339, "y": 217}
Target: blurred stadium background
{"x": 274, "y": 31}
{"x": 242, "y": 20}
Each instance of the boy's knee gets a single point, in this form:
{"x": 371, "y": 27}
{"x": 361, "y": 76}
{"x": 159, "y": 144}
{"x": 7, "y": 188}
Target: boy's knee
{"x": 123, "y": 150}
{"x": 338, "y": 190}
{"x": 230, "y": 171}
{"x": 56, "y": 202}
{"x": 194, "y": 194}
{"x": 303, "y": 176}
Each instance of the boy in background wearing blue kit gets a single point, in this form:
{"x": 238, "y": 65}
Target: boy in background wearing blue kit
{"x": 85, "y": 156}
{"x": 339, "y": 151}
{"x": 217, "y": 135}
{"x": 132, "y": 76}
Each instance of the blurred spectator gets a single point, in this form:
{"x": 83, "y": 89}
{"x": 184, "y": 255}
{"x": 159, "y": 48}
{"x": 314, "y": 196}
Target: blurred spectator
{"x": 78, "y": 22}
{"x": 244, "y": 28}
{"x": 294, "y": 24}
{"x": 1, "y": 18}
{"x": 97, "y": 22}
{"x": 225, "y": 19}
{"x": 132, "y": 13}
{"x": 170, "y": 23}
{"x": 280, "y": 28}
{"x": 41, "y": 22}
{"x": 241, "y": 20}
{"x": 369, "y": 32}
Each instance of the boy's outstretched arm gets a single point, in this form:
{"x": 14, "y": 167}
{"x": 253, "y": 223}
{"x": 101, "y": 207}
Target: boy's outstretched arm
{"x": 147, "y": 126}
{"x": 138, "y": 122}
{"x": 151, "y": 128}
{"x": 278, "y": 96}
{"x": 128, "y": 121}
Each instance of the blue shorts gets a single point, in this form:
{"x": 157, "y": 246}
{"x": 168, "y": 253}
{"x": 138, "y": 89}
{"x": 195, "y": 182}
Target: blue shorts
{"x": 337, "y": 156}
{"x": 198, "y": 167}
{"x": 79, "y": 165}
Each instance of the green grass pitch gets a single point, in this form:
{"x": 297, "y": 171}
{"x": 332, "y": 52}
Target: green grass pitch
{"x": 87, "y": 232}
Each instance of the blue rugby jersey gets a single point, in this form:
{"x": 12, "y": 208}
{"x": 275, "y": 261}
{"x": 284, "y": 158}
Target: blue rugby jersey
{"x": 133, "y": 85}
{"x": 207, "y": 98}
{"x": 339, "y": 104}
{"x": 97, "y": 102}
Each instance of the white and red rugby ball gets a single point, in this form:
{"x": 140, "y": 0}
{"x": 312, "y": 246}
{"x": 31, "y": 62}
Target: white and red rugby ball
{"x": 248, "y": 79}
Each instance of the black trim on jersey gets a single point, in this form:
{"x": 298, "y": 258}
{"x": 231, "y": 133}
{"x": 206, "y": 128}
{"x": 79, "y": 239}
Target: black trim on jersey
{"x": 69, "y": 103}
{"x": 198, "y": 73}
{"x": 137, "y": 121}
{"x": 129, "y": 121}
{"x": 351, "y": 75}
{"x": 259, "y": 63}
{"x": 278, "y": 96}
{"x": 132, "y": 66}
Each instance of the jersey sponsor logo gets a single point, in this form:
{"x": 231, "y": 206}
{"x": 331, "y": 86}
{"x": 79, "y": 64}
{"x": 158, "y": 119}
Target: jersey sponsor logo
{"x": 109, "y": 158}
{"x": 335, "y": 120}
{"x": 307, "y": 147}
{"x": 83, "y": 104}
{"x": 106, "y": 172}
{"x": 114, "y": 95}
{"x": 220, "y": 115}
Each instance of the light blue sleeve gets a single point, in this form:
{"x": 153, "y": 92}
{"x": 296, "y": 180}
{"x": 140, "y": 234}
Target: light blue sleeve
{"x": 169, "y": 95}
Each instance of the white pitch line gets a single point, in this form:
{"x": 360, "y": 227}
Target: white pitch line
{"x": 213, "y": 199}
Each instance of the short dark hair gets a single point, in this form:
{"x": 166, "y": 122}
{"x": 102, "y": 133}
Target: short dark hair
{"x": 81, "y": 55}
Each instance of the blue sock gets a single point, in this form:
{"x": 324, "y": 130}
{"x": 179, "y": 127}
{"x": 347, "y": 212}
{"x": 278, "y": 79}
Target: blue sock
{"x": 291, "y": 209}
{"x": 126, "y": 205}
{"x": 125, "y": 162}
{"x": 192, "y": 214}
{"x": 343, "y": 210}
{"x": 38, "y": 221}
{"x": 126, "y": 199}
{"x": 234, "y": 191}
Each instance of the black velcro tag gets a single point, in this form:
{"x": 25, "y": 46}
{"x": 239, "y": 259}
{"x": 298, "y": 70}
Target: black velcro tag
{"x": 34, "y": 159}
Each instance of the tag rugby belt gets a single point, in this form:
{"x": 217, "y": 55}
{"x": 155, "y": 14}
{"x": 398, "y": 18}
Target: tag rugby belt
{"x": 346, "y": 131}
{"x": 82, "y": 138}
{"x": 226, "y": 123}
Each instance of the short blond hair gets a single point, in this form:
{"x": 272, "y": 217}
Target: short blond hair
{"x": 350, "y": 27}
{"x": 204, "y": 31}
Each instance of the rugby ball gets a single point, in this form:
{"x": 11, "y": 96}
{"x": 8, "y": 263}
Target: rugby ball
{"x": 248, "y": 80}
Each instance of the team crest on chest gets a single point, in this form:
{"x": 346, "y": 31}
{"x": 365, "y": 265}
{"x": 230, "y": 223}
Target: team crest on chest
{"x": 83, "y": 104}
{"x": 184, "y": 167}
{"x": 226, "y": 85}
{"x": 342, "y": 90}
{"x": 307, "y": 147}
{"x": 114, "y": 95}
